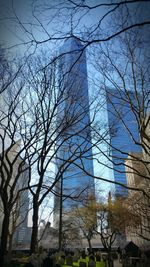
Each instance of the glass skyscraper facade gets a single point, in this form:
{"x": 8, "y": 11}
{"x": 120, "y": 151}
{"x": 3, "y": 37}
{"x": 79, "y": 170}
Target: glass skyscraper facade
{"x": 74, "y": 120}
{"x": 124, "y": 134}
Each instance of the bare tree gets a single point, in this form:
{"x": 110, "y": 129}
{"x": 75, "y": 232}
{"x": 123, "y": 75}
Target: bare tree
{"x": 31, "y": 115}
{"x": 71, "y": 19}
{"x": 124, "y": 79}
{"x": 12, "y": 165}
{"x": 9, "y": 70}
{"x": 53, "y": 119}
{"x": 39, "y": 127}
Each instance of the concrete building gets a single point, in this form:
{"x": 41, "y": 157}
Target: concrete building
{"x": 137, "y": 202}
{"x": 138, "y": 175}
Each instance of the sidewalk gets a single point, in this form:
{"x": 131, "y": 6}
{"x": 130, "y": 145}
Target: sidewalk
{"x": 117, "y": 263}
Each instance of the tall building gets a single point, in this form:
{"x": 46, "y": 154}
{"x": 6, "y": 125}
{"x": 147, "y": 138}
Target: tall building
{"x": 74, "y": 125}
{"x": 18, "y": 227}
{"x": 22, "y": 234}
{"x": 124, "y": 134}
{"x": 10, "y": 160}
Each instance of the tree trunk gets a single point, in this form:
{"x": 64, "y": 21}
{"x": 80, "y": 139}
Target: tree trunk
{"x": 110, "y": 260}
{"x": 10, "y": 246}
{"x": 90, "y": 246}
{"x": 4, "y": 237}
{"x": 60, "y": 216}
{"x": 34, "y": 236}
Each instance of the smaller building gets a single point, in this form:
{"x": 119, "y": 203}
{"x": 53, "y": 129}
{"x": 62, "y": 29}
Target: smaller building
{"x": 138, "y": 200}
{"x": 48, "y": 236}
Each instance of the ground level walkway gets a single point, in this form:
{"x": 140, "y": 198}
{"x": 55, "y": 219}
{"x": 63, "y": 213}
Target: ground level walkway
{"x": 117, "y": 263}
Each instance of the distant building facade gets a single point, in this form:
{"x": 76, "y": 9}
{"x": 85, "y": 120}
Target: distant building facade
{"x": 123, "y": 130}
{"x": 75, "y": 115}
{"x": 18, "y": 227}
{"x": 137, "y": 202}
{"x": 22, "y": 235}
{"x": 138, "y": 174}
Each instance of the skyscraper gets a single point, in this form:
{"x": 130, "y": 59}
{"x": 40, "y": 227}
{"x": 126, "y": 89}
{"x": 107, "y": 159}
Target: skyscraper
{"x": 19, "y": 213}
{"x": 124, "y": 134}
{"x": 74, "y": 120}
{"x": 22, "y": 234}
